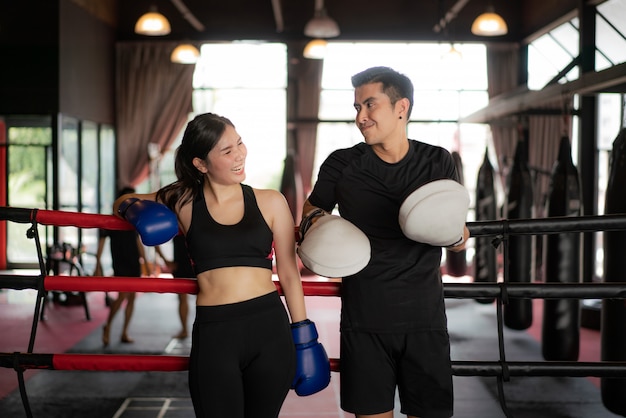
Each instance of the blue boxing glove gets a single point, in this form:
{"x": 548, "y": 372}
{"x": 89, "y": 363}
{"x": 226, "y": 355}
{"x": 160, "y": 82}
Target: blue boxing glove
{"x": 312, "y": 365}
{"x": 154, "y": 222}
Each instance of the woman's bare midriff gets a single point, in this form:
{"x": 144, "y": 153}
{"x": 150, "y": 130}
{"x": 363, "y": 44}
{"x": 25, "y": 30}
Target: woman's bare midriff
{"x": 233, "y": 284}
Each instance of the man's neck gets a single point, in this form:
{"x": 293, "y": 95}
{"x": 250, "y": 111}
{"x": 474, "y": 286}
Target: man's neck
{"x": 392, "y": 151}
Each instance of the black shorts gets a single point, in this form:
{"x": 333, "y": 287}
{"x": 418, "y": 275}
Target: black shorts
{"x": 418, "y": 364}
{"x": 242, "y": 359}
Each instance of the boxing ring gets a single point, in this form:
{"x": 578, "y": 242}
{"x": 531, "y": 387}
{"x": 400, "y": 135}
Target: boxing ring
{"x": 502, "y": 292}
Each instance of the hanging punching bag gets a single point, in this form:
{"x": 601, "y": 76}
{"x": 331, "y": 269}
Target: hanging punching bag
{"x": 290, "y": 186}
{"x": 613, "y": 329}
{"x": 518, "y": 313}
{"x": 560, "y": 333}
{"x": 456, "y": 262}
{"x": 485, "y": 262}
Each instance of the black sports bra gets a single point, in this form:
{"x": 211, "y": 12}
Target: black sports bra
{"x": 213, "y": 245}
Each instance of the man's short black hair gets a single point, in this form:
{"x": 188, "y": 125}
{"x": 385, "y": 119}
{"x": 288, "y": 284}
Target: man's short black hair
{"x": 395, "y": 85}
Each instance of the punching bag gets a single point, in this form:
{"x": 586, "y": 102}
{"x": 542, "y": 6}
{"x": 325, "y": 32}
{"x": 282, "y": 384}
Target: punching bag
{"x": 485, "y": 262}
{"x": 291, "y": 186}
{"x": 613, "y": 329}
{"x": 456, "y": 262}
{"x": 518, "y": 313}
{"x": 560, "y": 333}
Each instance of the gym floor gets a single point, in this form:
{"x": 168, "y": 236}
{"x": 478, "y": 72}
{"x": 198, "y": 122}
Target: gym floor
{"x": 65, "y": 329}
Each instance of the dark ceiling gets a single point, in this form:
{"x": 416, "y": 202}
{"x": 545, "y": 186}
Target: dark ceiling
{"x": 284, "y": 20}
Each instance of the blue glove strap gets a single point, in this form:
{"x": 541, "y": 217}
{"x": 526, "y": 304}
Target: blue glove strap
{"x": 304, "y": 332}
{"x": 123, "y": 207}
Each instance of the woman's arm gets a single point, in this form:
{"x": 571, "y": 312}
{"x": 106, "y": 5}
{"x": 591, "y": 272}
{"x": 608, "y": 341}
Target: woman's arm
{"x": 285, "y": 251}
{"x": 119, "y": 200}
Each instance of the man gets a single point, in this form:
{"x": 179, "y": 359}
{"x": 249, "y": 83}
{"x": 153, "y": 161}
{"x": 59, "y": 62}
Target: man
{"x": 393, "y": 321}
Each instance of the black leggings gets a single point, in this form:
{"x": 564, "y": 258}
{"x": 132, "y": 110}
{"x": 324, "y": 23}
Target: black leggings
{"x": 242, "y": 359}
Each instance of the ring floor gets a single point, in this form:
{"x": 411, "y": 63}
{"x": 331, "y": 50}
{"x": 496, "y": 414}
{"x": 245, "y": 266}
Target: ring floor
{"x": 67, "y": 394}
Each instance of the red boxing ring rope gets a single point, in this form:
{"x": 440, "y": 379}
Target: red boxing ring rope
{"x": 63, "y": 218}
{"x": 104, "y": 362}
{"x": 156, "y": 285}
{"x": 107, "y": 362}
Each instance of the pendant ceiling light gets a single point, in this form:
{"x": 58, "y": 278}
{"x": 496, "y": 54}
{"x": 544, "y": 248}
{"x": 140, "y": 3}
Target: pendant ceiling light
{"x": 152, "y": 23}
{"x": 320, "y": 27}
{"x": 489, "y": 24}
{"x": 315, "y": 49}
{"x": 185, "y": 54}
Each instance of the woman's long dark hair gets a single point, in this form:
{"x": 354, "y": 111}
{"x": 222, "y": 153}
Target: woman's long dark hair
{"x": 200, "y": 136}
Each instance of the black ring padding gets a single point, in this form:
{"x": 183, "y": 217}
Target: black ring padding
{"x": 538, "y": 290}
{"x": 23, "y": 361}
{"x": 19, "y": 215}
{"x": 540, "y": 369}
{"x": 17, "y": 282}
{"x": 552, "y": 225}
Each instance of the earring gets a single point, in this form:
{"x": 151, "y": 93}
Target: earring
{"x": 400, "y": 117}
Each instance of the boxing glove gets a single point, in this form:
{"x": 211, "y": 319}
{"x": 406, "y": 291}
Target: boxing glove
{"x": 153, "y": 221}
{"x": 435, "y": 213}
{"x": 312, "y": 364}
{"x": 332, "y": 246}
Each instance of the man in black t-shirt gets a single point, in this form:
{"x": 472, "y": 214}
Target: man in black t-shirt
{"x": 393, "y": 320}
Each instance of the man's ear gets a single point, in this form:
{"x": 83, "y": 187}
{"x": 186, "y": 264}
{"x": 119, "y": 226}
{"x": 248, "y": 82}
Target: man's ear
{"x": 402, "y": 106}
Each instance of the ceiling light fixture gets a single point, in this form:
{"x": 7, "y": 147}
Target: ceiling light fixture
{"x": 185, "y": 54}
{"x": 315, "y": 49}
{"x": 489, "y": 24}
{"x": 320, "y": 27}
{"x": 152, "y": 23}
{"x": 453, "y": 55}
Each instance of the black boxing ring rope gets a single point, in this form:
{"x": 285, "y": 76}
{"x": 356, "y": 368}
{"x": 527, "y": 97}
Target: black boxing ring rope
{"x": 500, "y": 230}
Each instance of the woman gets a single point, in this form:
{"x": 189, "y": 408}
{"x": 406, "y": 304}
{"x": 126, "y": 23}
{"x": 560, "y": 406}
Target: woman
{"x": 242, "y": 360}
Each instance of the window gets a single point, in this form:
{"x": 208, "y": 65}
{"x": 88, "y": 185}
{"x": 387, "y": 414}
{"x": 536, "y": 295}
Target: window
{"x": 246, "y": 82}
{"x": 29, "y": 158}
{"x": 610, "y": 34}
{"x": 552, "y": 52}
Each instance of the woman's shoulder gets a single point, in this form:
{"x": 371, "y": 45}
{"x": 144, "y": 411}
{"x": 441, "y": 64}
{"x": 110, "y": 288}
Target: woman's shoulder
{"x": 269, "y": 199}
{"x": 266, "y": 194}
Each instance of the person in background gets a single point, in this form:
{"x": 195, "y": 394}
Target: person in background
{"x": 180, "y": 267}
{"x": 127, "y": 253}
{"x": 393, "y": 321}
{"x": 245, "y": 355}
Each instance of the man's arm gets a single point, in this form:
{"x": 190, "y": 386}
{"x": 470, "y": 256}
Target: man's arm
{"x": 461, "y": 246}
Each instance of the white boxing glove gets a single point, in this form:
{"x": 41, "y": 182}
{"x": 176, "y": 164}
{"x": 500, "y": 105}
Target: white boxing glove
{"x": 435, "y": 213}
{"x": 333, "y": 246}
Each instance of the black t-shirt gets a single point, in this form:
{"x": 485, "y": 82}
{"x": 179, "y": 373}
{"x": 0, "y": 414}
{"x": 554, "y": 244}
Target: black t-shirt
{"x": 124, "y": 252}
{"x": 400, "y": 290}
